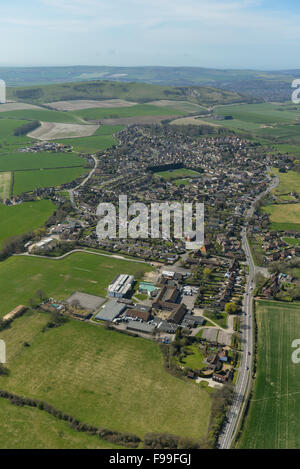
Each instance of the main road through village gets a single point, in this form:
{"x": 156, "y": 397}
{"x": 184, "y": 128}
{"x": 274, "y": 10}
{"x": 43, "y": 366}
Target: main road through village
{"x": 243, "y": 383}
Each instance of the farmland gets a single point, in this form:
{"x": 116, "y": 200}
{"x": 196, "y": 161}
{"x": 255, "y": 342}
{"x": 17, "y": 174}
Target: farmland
{"x": 92, "y": 374}
{"x": 273, "y": 421}
{"x": 22, "y": 276}
{"x": 23, "y": 218}
{"x": 284, "y": 216}
{"x": 26, "y": 161}
{"x": 103, "y": 138}
{"x": 5, "y": 180}
{"x": 26, "y": 181}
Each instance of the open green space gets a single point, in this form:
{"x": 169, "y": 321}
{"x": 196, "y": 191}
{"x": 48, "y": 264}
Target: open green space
{"x": 292, "y": 241}
{"x": 178, "y": 174}
{"x": 289, "y": 182}
{"x": 102, "y": 139}
{"x": 22, "y": 276}
{"x": 29, "y": 428}
{"x": 27, "y": 181}
{"x": 42, "y": 160}
{"x": 106, "y": 379}
{"x": 23, "y": 218}
{"x": 284, "y": 216}
{"x": 43, "y": 115}
{"x": 272, "y": 422}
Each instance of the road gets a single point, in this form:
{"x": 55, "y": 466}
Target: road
{"x": 71, "y": 191}
{"x": 243, "y": 383}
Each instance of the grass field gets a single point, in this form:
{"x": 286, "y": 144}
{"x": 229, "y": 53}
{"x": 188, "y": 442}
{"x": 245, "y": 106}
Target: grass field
{"x": 43, "y": 160}
{"x": 266, "y": 120}
{"x": 21, "y": 277}
{"x": 289, "y": 182}
{"x": 272, "y": 422}
{"x": 5, "y": 180}
{"x": 102, "y": 139}
{"x": 284, "y": 216}
{"x": 106, "y": 379}
{"x": 27, "y": 181}
{"x": 28, "y": 428}
{"x": 178, "y": 173}
{"x": 23, "y": 218}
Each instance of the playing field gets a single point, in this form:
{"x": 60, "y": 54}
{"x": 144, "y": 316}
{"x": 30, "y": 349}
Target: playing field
{"x": 5, "y": 180}
{"x": 23, "y": 218}
{"x": 104, "y": 378}
{"x": 178, "y": 173}
{"x": 22, "y": 276}
{"x": 273, "y": 420}
{"x": 284, "y": 216}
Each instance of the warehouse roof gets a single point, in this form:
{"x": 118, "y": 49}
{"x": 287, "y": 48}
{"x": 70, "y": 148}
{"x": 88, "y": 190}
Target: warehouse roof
{"x": 111, "y": 310}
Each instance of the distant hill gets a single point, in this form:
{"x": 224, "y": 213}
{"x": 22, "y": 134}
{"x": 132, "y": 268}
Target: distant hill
{"x": 266, "y": 86}
{"x": 137, "y": 92}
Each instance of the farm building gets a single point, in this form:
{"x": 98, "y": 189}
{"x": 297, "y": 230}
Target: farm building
{"x": 121, "y": 286}
{"x": 15, "y": 313}
{"x": 110, "y": 311}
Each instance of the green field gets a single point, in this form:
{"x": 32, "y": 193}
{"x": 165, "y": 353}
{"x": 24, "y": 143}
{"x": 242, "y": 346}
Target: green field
{"x": 104, "y": 378}
{"x": 22, "y": 276}
{"x": 284, "y": 216}
{"x": 23, "y": 218}
{"x": 292, "y": 241}
{"x": 27, "y": 181}
{"x": 101, "y": 140}
{"x": 178, "y": 174}
{"x": 289, "y": 182}
{"x": 269, "y": 121}
{"x": 43, "y": 115}
{"x": 43, "y": 160}
{"x": 272, "y": 422}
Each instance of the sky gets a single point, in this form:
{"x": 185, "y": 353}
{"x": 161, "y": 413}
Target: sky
{"x": 253, "y": 34}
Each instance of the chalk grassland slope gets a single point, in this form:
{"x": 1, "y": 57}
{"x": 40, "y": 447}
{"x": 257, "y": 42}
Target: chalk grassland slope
{"x": 137, "y": 92}
{"x": 23, "y": 218}
{"x": 5, "y": 182}
{"x": 106, "y": 379}
{"x": 22, "y": 276}
{"x": 77, "y": 105}
{"x": 25, "y": 427}
{"x": 54, "y": 130}
{"x": 185, "y": 106}
{"x": 27, "y": 181}
{"x": 273, "y": 420}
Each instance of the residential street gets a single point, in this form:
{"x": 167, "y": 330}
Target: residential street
{"x": 243, "y": 382}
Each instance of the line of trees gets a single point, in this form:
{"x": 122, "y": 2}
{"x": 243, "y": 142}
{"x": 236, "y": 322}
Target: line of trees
{"x": 124, "y": 439}
{"x": 24, "y": 129}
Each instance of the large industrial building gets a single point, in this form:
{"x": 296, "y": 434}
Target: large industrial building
{"x": 121, "y": 286}
{"x": 111, "y": 310}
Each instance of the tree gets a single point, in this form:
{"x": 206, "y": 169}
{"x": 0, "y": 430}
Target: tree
{"x": 231, "y": 308}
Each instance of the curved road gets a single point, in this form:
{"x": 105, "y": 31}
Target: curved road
{"x": 243, "y": 382}
{"x": 71, "y": 191}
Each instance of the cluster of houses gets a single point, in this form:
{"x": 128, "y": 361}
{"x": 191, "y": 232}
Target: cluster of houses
{"x": 47, "y": 146}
